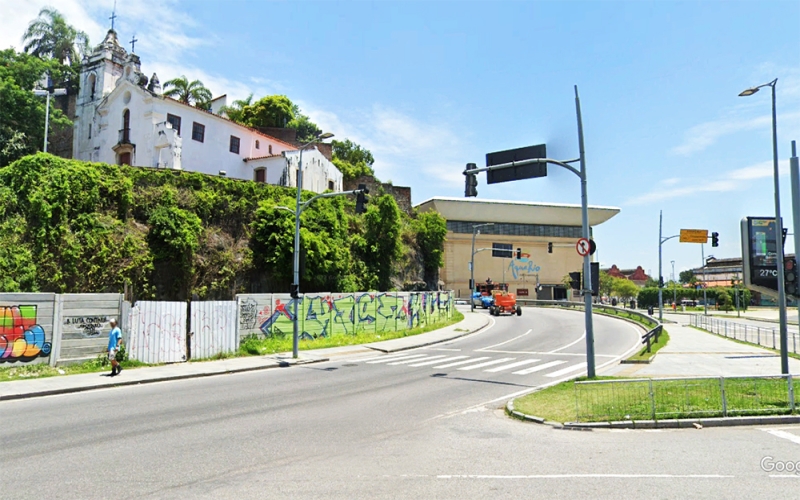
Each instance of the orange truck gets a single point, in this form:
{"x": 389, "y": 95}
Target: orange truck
{"x": 504, "y": 302}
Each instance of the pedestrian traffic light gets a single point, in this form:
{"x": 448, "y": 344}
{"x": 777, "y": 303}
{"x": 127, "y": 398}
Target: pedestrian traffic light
{"x": 519, "y": 253}
{"x": 361, "y": 199}
{"x": 549, "y": 248}
{"x": 660, "y": 282}
{"x": 575, "y": 280}
{"x": 471, "y": 181}
{"x": 294, "y": 290}
{"x": 790, "y": 277}
{"x": 715, "y": 239}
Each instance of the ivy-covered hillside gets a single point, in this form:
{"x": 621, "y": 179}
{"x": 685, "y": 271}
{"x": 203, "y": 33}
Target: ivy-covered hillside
{"x": 71, "y": 226}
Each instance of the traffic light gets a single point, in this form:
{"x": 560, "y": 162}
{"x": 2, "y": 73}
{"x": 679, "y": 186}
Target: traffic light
{"x": 549, "y": 248}
{"x": 575, "y": 280}
{"x": 790, "y": 276}
{"x": 714, "y": 239}
{"x": 519, "y": 253}
{"x": 471, "y": 181}
{"x": 294, "y": 290}
{"x": 595, "y": 267}
{"x": 660, "y": 282}
{"x": 361, "y": 199}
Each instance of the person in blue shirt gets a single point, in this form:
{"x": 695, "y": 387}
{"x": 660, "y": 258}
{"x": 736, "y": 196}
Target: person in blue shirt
{"x": 114, "y": 343}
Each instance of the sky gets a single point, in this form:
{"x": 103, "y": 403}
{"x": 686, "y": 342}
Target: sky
{"x": 430, "y": 86}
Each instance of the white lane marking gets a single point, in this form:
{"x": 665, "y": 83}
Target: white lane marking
{"x": 506, "y": 342}
{"x": 540, "y": 367}
{"x": 453, "y": 350}
{"x": 570, "y": 344}
{"x": 488, "y": 363}
{"x": 384, "y": 357}
{"x": 436, "y": 358}
{"x": 783, "y": 434}
{"x": 396, "y": 358}
{"x": 566, "y": 370}
{"x": 540, "y": 353}
{"x": 453, "y": 358}
{"x": 512, "y": 365}
{"x": 586, "y": 476}
{"x": 460, "y": 362}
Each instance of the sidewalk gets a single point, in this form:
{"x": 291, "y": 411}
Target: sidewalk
{"x": 694, "y": 353}
{"x": 19, "y": 389}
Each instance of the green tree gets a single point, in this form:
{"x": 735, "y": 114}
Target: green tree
{"x": 187, "y": 92}
{"x": 49, "y": 36}
{"x": 431, "y": 229}
{"x": 606, "y": 284}
{"x": 687, "y": 277}
{"x": 380, "y": 246}
{"x": 269, "y": 111}
{"x": 234, "y": 111}
{"x": 307, "y": 130}
{"x": 625, "y": 289}
{"x": 351, "y": 159}
{"x": 22, "y": 114}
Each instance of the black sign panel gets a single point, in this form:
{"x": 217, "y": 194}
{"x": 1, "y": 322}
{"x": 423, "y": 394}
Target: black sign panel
{"x": 517, "y": 172}
{"x": 762, "y": 252}
{"x": 502, "y": 250}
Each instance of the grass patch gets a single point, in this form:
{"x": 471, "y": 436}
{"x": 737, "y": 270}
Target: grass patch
{"x": 621, "y": 399}
{"x": 42, "y": 370}
{"x": 643, "y": 355}
{"x": 256, "y": 345}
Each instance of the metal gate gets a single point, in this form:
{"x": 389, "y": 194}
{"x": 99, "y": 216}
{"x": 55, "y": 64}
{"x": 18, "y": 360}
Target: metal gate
{"x": 157, "y": 332}
{"x": 213, "y": 328}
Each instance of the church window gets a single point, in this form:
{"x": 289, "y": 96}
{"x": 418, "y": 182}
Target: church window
{"x": 92, "y": 85}
{"x": 90, "y": 131}
{"x": 258, "y": 144}
{"x": 330, "y": 185}
{"x": 270, "y": 149}
{"x": 234, "y": 147}
{"x": 261, "y": 175}
{"x": 198, "y": 132}
{"x": 175, "y": 121}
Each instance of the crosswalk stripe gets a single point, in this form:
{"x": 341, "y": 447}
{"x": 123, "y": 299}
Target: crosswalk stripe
{"x": 426, "y": 363}
{"x": 383, "y": 356}
{"x": 512, "y": 365}
{"x": 488, "y": 363}
{"x": 436, "y": 358}
{"x": 461, "y": 362}
{"x": 396, "y": 358}
{"x": 566, "y": 370}
{"x": 540, "y": 367}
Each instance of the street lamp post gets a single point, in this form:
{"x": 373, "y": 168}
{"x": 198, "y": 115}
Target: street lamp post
{"x": 661, "y": 241}
{"x": 47, "y": 93}
{"x": 475, "y": 231}
{"x": 296, "y": 263}
{"x": 778, "y": 227}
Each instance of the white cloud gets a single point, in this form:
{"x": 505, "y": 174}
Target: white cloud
{"x": 734, "y": 180}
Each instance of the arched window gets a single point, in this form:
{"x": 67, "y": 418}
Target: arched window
{"x": 270, "y": 149}
{"x": 91, "y": 84}
{"x": 125, "y": 133}
{"x": 258, "y": 144}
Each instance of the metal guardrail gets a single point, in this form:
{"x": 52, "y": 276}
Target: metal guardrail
{"x": 652, "y": 336}
{"x": 668, "y": 398}
{"x": 766, "y": 337}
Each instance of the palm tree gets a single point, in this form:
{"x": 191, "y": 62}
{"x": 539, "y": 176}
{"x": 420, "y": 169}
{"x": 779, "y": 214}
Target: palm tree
{"x": 188, "y": 92}
{"x": 234, "y": 112}
{"x": 49, "y": 36}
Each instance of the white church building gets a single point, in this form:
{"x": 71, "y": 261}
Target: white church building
{"x": 122, "y": 118}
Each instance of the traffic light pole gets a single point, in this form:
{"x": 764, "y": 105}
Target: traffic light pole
{"x": 661, "y": 241}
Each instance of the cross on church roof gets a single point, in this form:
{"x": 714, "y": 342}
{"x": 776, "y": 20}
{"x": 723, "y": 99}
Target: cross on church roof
{"x": 133, "y": 42}
{"x": 113, "y": 15}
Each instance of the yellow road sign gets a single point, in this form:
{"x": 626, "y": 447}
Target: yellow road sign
{"x": 694, "y": 235}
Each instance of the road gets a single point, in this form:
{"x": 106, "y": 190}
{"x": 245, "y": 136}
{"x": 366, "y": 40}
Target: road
{"x": 373, "y": 426}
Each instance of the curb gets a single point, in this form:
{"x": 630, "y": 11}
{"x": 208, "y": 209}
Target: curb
{"x": 677, "y": 423}
{"x": 638, "y": 361}
{"x": 68, "y": 390}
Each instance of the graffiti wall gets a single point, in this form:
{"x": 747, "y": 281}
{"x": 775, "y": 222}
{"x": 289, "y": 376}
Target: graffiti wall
{"x": 26, "y": 328}
{"x": 328, "y": 314}
{"x": 83, "y": 320}
{"x": 157, "y": 332}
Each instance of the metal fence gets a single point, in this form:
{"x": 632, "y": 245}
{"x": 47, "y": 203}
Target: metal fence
{"x": 669, "y": 398}
{"x": 763, "y": 336}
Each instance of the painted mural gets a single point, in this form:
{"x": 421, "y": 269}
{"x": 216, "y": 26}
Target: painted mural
{"x": 325, "y": 315}
{"x": 21, "y": 338}
{"x": 523, "y": 265}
